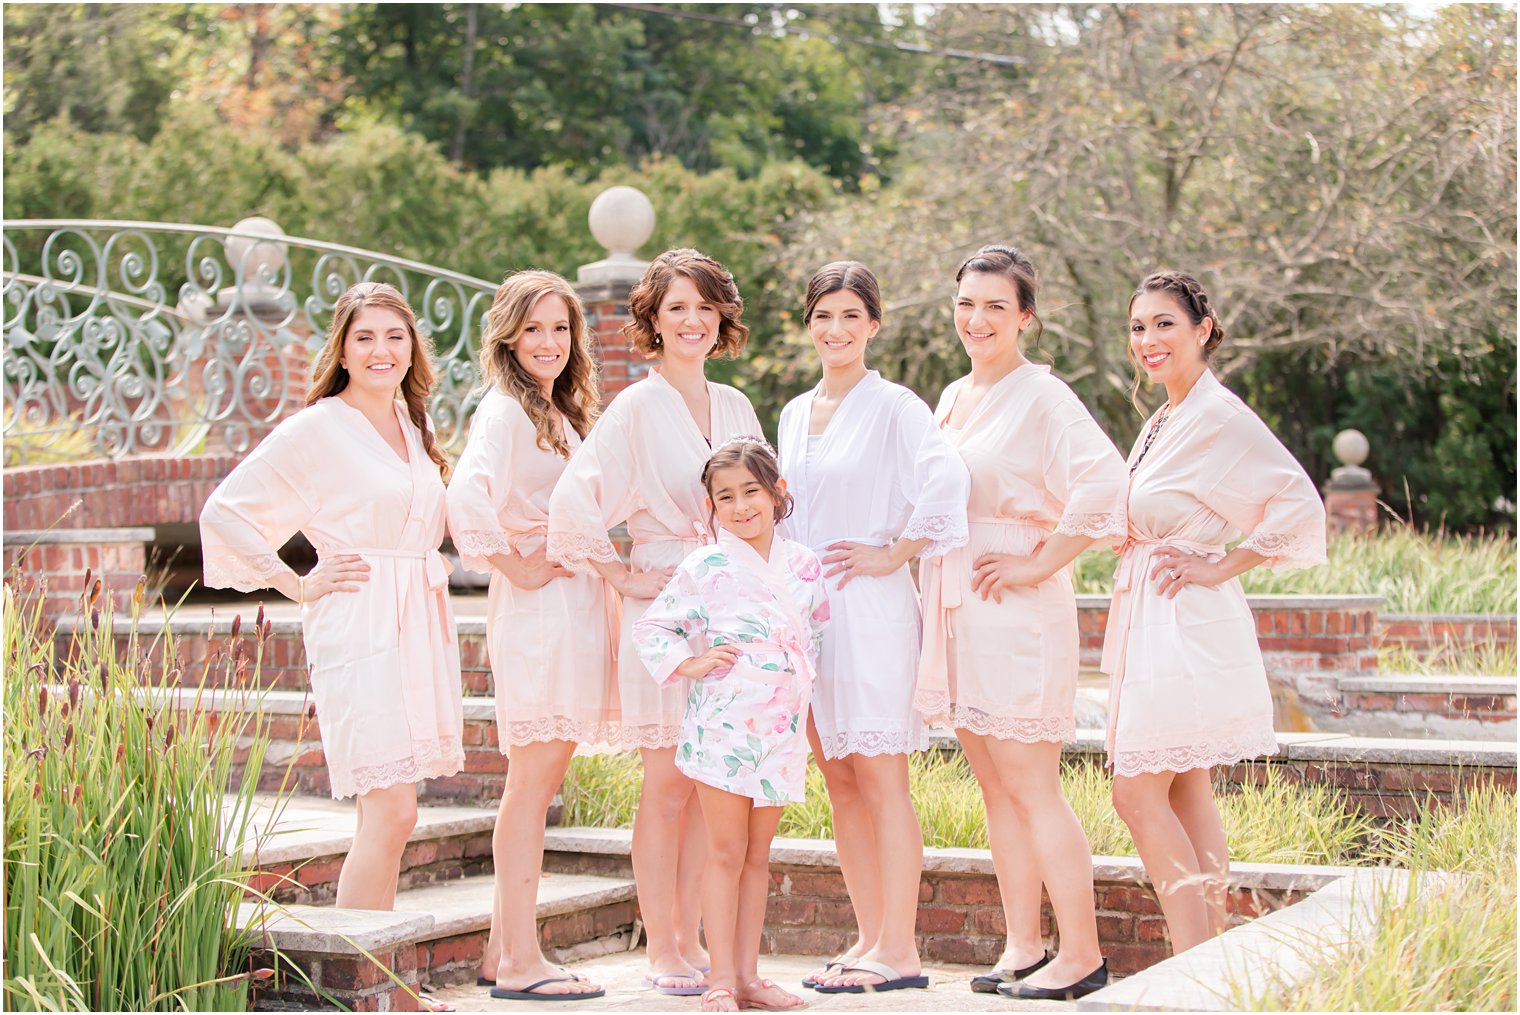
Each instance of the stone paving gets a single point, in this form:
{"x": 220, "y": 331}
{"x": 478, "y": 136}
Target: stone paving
{"x": 621, "y": 975}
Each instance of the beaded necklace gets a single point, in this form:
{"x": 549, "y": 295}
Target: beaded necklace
{"x": 1150, "y": 436}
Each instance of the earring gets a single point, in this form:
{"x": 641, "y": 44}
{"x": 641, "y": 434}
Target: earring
{"x": 1204, "y": 340}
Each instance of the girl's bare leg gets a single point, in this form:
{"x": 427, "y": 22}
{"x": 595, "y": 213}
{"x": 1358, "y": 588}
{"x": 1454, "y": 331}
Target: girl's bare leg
{"x": 754, "y": 893}
{"x": 727, "y": 817}
{"x": 1143, "y": 801}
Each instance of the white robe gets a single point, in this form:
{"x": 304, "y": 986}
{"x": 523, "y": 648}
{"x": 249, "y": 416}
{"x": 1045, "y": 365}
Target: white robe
{"x": 881, "y": 470}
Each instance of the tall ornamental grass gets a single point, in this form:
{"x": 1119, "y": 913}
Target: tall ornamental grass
{"x": 1274, "y": 822}
{"x": 1416, "y": 572}
{"x": 1450, "y": 949}
{"x": 122, "y": 861}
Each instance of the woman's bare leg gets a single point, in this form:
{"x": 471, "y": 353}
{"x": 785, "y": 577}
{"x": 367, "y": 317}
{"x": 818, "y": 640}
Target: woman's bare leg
{"x": 656, "y": 858}
{"x": 387, "y": 817}
{"x": 1192, "y": 799}
{"x": 1143, "y": 801}
{"x": 855, "y": 844}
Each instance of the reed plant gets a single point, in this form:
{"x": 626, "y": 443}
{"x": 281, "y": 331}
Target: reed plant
{"x": 124, "y": 820}
{"x": 1413, "y": 570}
{"x": 1490, "y": 658}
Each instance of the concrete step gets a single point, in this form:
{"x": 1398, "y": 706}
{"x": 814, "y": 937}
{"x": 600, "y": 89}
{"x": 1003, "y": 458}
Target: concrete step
{"x": 299, "y": 844}
{"x": 436, "y": 937}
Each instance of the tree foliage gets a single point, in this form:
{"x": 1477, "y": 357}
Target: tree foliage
{"x": 1341, "y": 178}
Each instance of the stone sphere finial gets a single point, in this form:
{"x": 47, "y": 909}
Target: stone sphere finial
{"x": 248, "y": 257}
{"x": 622, "y": 220}
{"x": 1350, "y": 447}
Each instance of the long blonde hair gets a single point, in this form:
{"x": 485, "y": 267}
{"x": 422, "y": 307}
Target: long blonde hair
{"x": 328, "y": 377}
{"x": 576, "y": 392}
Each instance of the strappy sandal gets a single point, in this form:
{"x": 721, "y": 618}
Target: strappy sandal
{"x": 764, "y": 984}
{"x": 713, "y": 996}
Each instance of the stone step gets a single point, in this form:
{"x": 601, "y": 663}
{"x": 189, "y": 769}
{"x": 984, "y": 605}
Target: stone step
{"x": 435, "y": 936}
{"x": 298, "y": 845}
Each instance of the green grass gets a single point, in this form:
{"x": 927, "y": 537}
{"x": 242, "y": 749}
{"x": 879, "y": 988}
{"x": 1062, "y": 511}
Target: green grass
{"x": 1451, "y": 949}
{"x": 1275, "y": 822}
{"x": 119, "y": 894}
{"x": 1415, "y": 572}
{"x": 1491, "y": 659}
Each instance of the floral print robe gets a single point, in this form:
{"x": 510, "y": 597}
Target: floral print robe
{"x": 745, "y": 729}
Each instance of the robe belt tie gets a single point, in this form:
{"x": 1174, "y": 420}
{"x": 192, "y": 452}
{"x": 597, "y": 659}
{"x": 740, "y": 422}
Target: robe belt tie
{"x": 436, "y": 568}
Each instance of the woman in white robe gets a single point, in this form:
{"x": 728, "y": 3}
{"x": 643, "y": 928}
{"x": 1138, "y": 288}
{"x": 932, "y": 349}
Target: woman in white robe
{"x": 876, "y": 484}
{"x": 642, "y": 464}
{"x": 358, "y": 472}
{"x": 551, "y": 662}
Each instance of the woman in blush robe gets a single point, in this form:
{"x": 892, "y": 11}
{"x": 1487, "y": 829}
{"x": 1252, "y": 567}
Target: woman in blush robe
{"x": 876, "y": 484}
{"x": 642, "y": 464}
{"x": 1000, "y": 643}
{"x": 1187, "y": 689}
{"x": 358, "y": 472}
{"x": 551, "y": 663}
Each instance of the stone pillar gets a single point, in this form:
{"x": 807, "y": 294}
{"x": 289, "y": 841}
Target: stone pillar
{"x": 622, "y": 220}
{"x": 1351, "y": 493}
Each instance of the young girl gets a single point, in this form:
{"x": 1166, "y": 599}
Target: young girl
{"x": 758, "y": 602}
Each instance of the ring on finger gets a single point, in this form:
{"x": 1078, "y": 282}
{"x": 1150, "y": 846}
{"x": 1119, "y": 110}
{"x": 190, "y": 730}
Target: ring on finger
{"x": 1175, "y": 573}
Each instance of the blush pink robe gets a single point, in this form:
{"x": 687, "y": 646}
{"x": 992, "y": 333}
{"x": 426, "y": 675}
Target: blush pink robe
{"x": 1187, "y": 688}
{"x": 552, "y": 665}
{"x": 1039, "y": 464}
{"x": 642, "y": 463}
{"x": 384, "y": 659}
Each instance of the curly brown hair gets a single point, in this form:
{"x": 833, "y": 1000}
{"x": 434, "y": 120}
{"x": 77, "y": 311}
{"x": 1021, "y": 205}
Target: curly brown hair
{"x": 576, "y": 392}
{"x": 1189, "y": 294}
{"x": 713, "y": 282}
{"x": 328, "y": 377}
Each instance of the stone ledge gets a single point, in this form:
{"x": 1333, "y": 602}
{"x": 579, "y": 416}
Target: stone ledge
{"x": 1272, "y": 601}
{"x": 58, "y": 537}
{"x": 1276, "y": 947}
{"x": 1430, "y": 684}
{"x": 940, "y": 860}
{"x": 1406, "y": 752}
{"x": 1507, "y": 619}
{"x": 327, "y": 930}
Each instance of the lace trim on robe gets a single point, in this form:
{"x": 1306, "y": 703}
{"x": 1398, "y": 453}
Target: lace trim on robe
{"x": 945, "y": 533}
{"x": 558, "y": 727}
{"x": 574, "y": 549}
{"x": 1286, "y": 551}
{"x": 939, "y": 710}
{"x": 482, "y": 544}
{"x": 651, "y": 737}
{"x": 244, "y": 573}
{"x": 1206, "y": 755}
{"x": 430, "y": 759}
{"x": 872, "y": 743}
{"x": 1094, "y": 525}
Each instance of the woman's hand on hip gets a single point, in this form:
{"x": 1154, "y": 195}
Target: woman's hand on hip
{"x": 340, "y": 572}
{"x": 533, "y": 571}
{"x": 1172, "y": 569}
{"x": 643, "y": 584}
{"x": 856, "y": 560}
{"x": 994, "y": 573}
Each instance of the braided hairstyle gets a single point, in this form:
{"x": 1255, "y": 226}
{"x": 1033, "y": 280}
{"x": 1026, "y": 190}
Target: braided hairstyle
{"x": 1014, "y": 265}
{"x": 1188, "y": 293}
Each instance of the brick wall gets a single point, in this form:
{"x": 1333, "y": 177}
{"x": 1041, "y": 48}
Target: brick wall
{"x": 1425, "y": 633}
{"x": 142, "y": 491}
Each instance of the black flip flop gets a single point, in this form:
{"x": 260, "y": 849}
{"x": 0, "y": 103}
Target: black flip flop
{"x": 532, "y": 993}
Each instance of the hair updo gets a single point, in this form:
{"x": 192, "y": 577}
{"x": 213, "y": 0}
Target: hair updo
{"x": 1191, "y": 297}
{"x": 1014, "y": 265}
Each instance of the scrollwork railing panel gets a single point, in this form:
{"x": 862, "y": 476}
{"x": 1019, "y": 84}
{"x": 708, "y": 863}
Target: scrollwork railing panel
{"x": 99, "y": 362}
